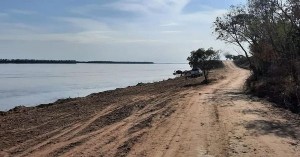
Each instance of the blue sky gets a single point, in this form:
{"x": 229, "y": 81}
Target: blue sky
{"x": 122, "y": 30}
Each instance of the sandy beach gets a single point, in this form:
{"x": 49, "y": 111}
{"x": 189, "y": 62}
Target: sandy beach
{"x": 176, "y": 117}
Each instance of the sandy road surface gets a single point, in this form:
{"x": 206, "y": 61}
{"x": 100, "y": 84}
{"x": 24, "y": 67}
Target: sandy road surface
{"x": 172, "y": 118}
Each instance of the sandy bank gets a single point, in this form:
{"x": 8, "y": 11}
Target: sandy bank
{"x": 24, "y": 127}
{"x": 170, "y": 118}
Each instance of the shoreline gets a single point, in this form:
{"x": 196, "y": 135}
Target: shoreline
{"x": 66, "y": 99}
{"x": 50, "y": 102}
{"x": 153, "y": 119}
{"x": 47, "y": 83}
{"x": 42, "y": 61}
{"x": 21, "y": 124}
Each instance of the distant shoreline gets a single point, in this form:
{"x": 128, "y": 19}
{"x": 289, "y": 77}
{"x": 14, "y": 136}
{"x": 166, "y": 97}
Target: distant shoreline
{"x": 33, "y": 61}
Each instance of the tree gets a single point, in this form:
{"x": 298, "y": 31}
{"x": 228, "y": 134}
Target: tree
{"x": 233, "y": 28}
{"x": 271, "y": 29}
{"x": 203, "y": 59}
{"x": 228, "y": 56}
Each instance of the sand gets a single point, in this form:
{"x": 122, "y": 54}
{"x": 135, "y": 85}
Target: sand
{"x": 175, "y": 117}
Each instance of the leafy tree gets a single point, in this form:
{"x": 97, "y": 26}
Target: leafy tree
{"x": 203, "y": 59}
{"x": 232, "y": 28}
{"x": 271, "y": 29}
{"x": 228, "y": 56}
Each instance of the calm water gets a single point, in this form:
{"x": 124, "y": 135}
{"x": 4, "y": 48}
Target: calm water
{"x": 33, "y": 84}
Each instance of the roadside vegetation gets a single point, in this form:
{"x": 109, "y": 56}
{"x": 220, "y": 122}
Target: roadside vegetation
{"x": 268, "y": 33}
{"x": 206, "y": 60}
{"x": 239, "y": 60}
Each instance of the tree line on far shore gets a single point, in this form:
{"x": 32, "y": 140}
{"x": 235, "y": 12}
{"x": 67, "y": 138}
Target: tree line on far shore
{"x": 35, "y": 61}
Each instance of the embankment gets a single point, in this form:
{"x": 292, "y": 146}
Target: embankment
{"x": 170, "y": 118}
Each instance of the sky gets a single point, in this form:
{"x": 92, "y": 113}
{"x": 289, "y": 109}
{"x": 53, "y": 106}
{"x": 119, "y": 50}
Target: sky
{"x": 162, "y": 31}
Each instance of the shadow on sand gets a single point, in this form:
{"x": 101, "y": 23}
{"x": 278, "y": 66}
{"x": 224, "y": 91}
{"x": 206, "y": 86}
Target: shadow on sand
{"x": 287, "y": 127}
{"x": 195, "y": 84}
{"x": 281, "y": 129}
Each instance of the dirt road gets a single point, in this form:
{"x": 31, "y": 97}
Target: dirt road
{"x": 171, "y": 118}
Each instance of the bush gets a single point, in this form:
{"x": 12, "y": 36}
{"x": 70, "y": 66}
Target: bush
{"x": 241, "y": 62}
{"x": 279, "y": 90}
{"x": 216, "y": 64}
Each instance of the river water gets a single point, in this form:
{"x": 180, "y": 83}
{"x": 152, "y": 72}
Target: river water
{"x": 33, "y": 84}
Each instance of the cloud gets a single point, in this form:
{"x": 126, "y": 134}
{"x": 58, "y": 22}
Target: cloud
{"x": 23, "y": 12}
{"x": 12, "y": 28}
{"x": 149, "y": 7}
{"x": 85, "y": 23}
{"x": 81, "y": 37}
{"x": 170, "y": 32}
{"x": 130, "y": 7}
{"x": 90, "y": 30}
{"x": 206, "y": 17}
{"x": 169, "y": 24}
{"x": 121, "y": 26}
{"x": 85, "y": 30}
{"x": 237, "y": 2}
{"x": 88, "y": 9}
{"x": 3, "y": 15}
{"x": 84, "y": 10}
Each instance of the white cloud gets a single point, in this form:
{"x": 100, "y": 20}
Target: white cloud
{"x": 23, "y": 12}
{"x": 170, "y": 32}
{"x": 130, "y": 7}
{"x": 85, "y": 23}
{"x": 237, "y": 2}
{"x": 149, "y": 7}
{"x": 11, "y": 28}
{"x": 159, "y": 25}
{"x": 3, "y": 15}
{"x": 206, "y": 17}
{"x": 169, "y": 24}
{"x": 82, "y": 37}
{"x": 96, "y": 31}
{"x": 87, "y": 9}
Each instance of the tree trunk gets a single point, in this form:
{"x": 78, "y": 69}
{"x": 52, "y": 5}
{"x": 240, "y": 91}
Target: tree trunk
{"x": 294, "y": 72}
{"x": 246, "y": 54}
{"x": 205, "y": 76}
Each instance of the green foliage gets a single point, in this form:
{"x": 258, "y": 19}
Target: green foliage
{"x": 233, "y": 28}
{"x": 271, "y": 29}
{"x": 241, "y": 61}
{"x": 202, "y": 58}
{"x": 228, "y": 56}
